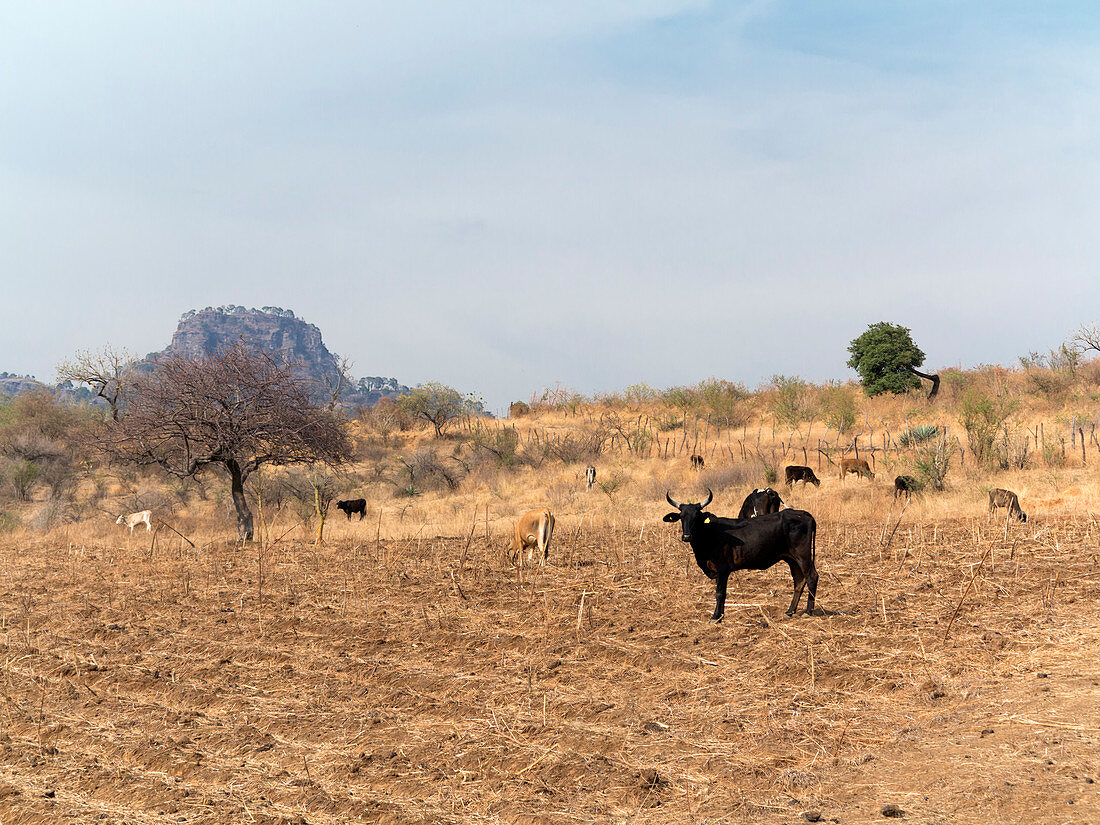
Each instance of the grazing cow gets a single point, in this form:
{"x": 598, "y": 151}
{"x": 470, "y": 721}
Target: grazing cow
{"x": 533, "y": 530}
{"x": 1005, "y": 498}
{"x": 589, "y": 477}
{"x": 353, "y": 505}
{"x": 134, "y": 519}
{"x": 697, "y": 462}
{"x": 855, "y": 466}
{"x": 722, "y": 545}
{"x": 761, "y": 502}
{"x": 796, "y": 472}
{"x": 907, "y": 485}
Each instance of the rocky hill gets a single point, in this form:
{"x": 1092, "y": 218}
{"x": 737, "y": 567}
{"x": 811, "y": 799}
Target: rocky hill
{"x": 274, "y": 330}
{"x": 280, "y": 332}
{"x": 12, "y": 385}
{"x": 203, "y": 331}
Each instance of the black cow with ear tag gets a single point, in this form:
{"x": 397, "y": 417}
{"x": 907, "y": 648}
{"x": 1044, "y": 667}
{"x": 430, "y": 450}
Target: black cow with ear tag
{"x": 722, "y": 545}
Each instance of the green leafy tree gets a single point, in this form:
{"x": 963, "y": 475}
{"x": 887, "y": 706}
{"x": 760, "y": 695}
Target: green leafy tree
{"x": 437, "y": 404}
{"x": 887, "y": 359}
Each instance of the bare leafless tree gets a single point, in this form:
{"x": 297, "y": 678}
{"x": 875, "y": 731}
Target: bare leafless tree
{"x": 104, "y": 370}
{"x": 238, "y": 409}
{"x": 333, "y": 385}
{"x": 1086, "y": 337}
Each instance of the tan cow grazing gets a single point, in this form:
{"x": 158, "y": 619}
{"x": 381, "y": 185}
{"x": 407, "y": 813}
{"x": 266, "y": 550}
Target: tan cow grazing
{"x": 134, "y": 519}
{"x": 1005, "y": 498}
{"x": 533, "y": 531}
{"x": 856, "y": 466}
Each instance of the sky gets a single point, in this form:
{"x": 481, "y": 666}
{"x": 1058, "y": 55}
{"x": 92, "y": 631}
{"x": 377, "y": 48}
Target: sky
{"x": 505, "y": 196}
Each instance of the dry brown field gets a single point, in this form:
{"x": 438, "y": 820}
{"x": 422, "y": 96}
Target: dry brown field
{"x": 412, "y": 675}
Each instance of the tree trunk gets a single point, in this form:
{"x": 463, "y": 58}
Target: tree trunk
{"x": 935, "y": 379}
{"x": 244, "y": 515}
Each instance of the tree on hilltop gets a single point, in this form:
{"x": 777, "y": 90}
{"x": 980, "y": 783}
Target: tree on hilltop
{"x": 437, "y": 404}
{"x": 886, "y": 359}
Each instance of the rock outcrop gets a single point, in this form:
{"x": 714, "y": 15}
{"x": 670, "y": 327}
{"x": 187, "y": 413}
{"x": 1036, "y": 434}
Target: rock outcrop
{"x": 274, "y": 330}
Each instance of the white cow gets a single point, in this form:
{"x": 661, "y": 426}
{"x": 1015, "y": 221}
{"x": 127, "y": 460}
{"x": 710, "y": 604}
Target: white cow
{"x": 134, "y": 519}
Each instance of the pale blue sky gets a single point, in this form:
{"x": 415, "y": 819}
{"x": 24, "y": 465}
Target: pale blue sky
{"x": 505, "y": 195}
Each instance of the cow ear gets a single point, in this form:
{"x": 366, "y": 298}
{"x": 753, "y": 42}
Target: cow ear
{"x": 671, "y": 517}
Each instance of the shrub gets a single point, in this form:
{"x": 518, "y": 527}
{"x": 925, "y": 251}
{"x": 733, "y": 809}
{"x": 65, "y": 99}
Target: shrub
{"x": 918, "y": 435}
{"x": 933, "y": 461}
{"x": 424, "y": 470}
{"x": 501, "y": 444}
{"x": 23, "y": 475}
{"x": 790, "y": 400}
{"x": 1011, "y": 450}
{"x": 724, "y": 400}
{"x": 982, "y": 417}
{"x": 838, "y": 407}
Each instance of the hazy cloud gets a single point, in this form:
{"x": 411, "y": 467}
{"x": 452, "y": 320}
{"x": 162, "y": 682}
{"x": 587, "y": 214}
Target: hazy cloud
{"x": 502, "y": 195}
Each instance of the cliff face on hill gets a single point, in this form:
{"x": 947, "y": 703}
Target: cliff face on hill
{"x": 279, "y": 332}
{"x": 274, "y": 330}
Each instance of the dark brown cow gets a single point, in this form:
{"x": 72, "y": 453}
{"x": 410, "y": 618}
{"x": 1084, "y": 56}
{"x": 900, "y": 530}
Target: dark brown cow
{"x": 697, "y": 462}
{"x": 1005, "y": 498}
{"x": 353, "y": 505}
{"x": 855, "y": 466}
{"x": 796, "y": 472}
{"x": 907, "y": 485}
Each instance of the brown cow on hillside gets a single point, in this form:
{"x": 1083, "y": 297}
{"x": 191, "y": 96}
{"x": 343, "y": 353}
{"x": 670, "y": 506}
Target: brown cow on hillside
{"x": 533, "y": 530}
{"x": 1005, "y": 498}
{"x": 856, "y": 466}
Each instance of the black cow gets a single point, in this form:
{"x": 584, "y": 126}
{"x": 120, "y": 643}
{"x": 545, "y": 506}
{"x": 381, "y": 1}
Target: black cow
{"x": 796, "y": 472}
{"x": 355, "y": 505}
{"x": 907, "y": 485}
{"x": 722, "y": 545}
{"x": 761, "y": 502}
{"x": 697, "y": 462}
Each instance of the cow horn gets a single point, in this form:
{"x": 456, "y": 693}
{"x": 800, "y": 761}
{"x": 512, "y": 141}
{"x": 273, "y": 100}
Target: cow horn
{"x": 671, "y": 501}
{"x": 710, "y": 496}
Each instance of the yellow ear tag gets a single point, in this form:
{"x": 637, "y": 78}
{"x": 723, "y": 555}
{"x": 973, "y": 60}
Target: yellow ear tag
{"x": 706, "y": 520}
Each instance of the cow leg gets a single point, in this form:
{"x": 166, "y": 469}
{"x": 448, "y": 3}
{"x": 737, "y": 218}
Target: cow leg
{"x": 799, "y": 585}
{"x": 811, "y": 590}
{"x": 362, "y": 513}
{"x": 720, "y": 596}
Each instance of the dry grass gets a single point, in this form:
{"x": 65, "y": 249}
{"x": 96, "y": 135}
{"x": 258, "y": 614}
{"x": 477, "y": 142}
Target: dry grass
{"x": 404, "y": 672}
{"x": 415, "y": 679}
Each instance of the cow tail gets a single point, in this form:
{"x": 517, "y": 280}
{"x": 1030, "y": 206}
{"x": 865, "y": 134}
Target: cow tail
{"x": 544, "y": 532}
{"x": 813, "y": 545}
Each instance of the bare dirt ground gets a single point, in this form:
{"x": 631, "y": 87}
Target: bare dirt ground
{"x": 424, "y": 681}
